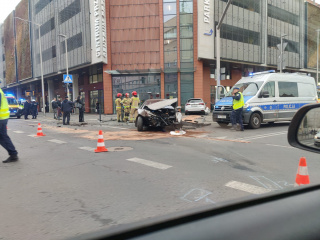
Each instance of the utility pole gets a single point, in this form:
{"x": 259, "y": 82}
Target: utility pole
{"x": 67, "y": 66}
{"x": 218, "y": 47}
{"x": 317, "y": 80}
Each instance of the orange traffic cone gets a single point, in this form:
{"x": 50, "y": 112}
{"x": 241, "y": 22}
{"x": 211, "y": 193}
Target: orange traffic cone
{"x": 302, "y": 173}
{"x": 39, "y": 132}
{"x": 100, "y": 146}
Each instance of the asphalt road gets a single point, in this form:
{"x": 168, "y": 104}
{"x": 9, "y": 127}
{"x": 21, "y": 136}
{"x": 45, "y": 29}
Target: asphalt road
{"x": 60, "y": 188}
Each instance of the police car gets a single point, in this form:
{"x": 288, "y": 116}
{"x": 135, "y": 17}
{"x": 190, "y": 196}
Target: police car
{"x": 14, "y": 107}
{"x": 268, "y": 97}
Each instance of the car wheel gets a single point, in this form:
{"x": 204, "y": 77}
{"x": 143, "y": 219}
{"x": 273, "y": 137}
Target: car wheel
{"x": 19, "y": 116}
{"x": 223, "y": 124}
{"x": 255, "y": 121}
{"x": 186, "y": 113}
{"x": 140, "y": 123}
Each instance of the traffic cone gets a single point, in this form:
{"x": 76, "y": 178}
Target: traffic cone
{"x": 302, "y": 177}
{"x": 100, "y": 145}
{"x": 39, "y": 132}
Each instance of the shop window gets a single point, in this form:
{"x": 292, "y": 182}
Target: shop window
{"x": 96, "y": 78}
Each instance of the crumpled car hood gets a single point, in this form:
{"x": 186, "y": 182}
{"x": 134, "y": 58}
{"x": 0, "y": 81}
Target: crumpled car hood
{"x": 162, "y": 104}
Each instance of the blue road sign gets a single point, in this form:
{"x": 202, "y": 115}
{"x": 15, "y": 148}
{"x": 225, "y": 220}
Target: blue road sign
{"x": 67, "y": 78}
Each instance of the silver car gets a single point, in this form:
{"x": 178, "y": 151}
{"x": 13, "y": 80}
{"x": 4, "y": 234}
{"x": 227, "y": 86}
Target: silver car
{"x": 317, "y": 139}
{"x": 195, "y": 105}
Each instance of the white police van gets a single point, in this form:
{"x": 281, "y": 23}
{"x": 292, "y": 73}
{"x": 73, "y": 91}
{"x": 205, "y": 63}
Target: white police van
{"x": 268, "y": 97}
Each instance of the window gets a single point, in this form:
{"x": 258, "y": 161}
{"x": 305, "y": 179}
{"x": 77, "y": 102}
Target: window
{"x": 270, "y": 87}
{"x": 291, "y": 47}
{"x": 46, "y": 27}
{"x": 41, "y": 4}
{"x": 240, "y": 34}
{"x": 251, "y": 5}
{"x": 73, "y": 43}
{"x": 47, "y": 54}
{"x": 70, "y": 11}
{"x": 96, "y": 78}
{"x": 288, "y": 89}
{"x": 283, "y": 15}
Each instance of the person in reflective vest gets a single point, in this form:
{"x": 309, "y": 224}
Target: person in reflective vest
{"x": 237, "y": 105}
{"x": 5, "y": 140}
{"x": 118, "y": 107}
{"x": 134, "y": 106}
{"x": 126, "y": 106}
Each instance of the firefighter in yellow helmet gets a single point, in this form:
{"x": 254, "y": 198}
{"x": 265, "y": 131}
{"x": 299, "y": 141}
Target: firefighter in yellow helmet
{"x": 134, "y": 106}
{"x": 126, "y": 106}
{"x": 118, "y": 107}
{"x": 5, "y": 140}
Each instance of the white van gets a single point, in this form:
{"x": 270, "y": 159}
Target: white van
{"x": 268, "y": 97}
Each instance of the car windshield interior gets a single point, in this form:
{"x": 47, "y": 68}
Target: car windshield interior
{"x": 12, "y": 101}
{"x": 195, "y": 101}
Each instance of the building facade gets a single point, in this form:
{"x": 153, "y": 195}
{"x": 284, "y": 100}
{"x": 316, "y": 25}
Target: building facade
{"x": 159, "y": 48}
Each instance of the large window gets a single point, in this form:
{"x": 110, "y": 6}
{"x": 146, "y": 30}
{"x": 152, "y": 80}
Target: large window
{"x": 147, "y": 86}
{"x": 288, "y": 89}
{"x": 171, "y": 85}
{"x": 186, "y": 35}
{"x": 96, "y": 101}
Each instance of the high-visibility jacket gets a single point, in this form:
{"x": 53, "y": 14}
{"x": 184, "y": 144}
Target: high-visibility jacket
{"x": 238, "y": 103}
{"x": 118, "y": 103}
{"x": 126, "y": 102}
{"x": 4, "y": 108}
{"x": 135, "y": 102}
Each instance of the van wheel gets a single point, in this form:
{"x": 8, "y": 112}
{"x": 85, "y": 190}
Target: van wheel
{"x": 223, "y": 124}
{"x": 255, "y": 121}
{"x": 19, "y": 116}
{"x": 140, "y": 124}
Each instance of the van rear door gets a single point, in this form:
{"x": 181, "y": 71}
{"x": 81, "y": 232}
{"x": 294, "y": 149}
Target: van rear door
{"x": 289, "y": 101}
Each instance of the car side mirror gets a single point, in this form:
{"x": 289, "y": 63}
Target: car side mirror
{"x": 304, "y": 129}
{"x": 265, "y": 94}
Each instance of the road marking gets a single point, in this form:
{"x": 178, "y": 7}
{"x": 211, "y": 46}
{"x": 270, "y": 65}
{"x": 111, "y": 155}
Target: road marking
{"x": 247, "y": 187}
{"x": 56, "y": 141}
{"x": 264, "y": 135}
{"x": 224, "y": 137}
{"x": 267, "y": 183}
{"x": 117, "y": 127}
{"x": 90, "y": 149}
{"x": 149, "y": 163}
{"x": 195, "y": 195}
{"x": 273, "y": 145}
{"x": 18, "y": 131}
{"x": 34, "y": 136}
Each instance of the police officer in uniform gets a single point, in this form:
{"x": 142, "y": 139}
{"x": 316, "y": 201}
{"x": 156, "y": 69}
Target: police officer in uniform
{"x": 134, "y": 106}
{"x": 126, "y": 106}
{"x": 34, "y": 109}
{"x": 237, "y": 105}
{"x": 118, "y": 107}
{"x": 5, "y": 140}
{"x": 66, "y": 108}
{"x": 26, "y": 108}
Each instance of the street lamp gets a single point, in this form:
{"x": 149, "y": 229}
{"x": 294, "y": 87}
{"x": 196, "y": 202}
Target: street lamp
{"x": 317, "y": 80}
{"x": 281, "y": 52}
{"x": 67, "y": 68}
{"x": 41, "y": 67}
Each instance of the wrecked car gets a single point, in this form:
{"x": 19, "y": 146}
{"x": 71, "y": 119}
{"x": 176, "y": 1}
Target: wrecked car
{"x": 159, "y": 113}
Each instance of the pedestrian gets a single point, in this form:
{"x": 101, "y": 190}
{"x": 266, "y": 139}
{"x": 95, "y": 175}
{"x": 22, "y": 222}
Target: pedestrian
{"x": 5, "y": 140}
{"x": 26, "y": 108}
{"x": 118, "y": 107}
{"x": 126, "y": 106}
{"x": 54, "y": 106}
{"x": 80, "y": 104}
{"x": 66, "y": 108}
{"x": 97, "y": 107}
{"x": 59, "y": 109}
{"x": 134, "y": 106}
{"x": 34, "y": 109}
{"x": 237, "y": 106}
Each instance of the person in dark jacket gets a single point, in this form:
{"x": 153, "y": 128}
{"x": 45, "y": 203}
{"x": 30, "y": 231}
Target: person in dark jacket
{"x": 34, "y": 109}
{"x": 80, "y": 105}
{"x": 26, "y": 109}
{"x": 59, "y": 108}
{"x": 66, "y": 108}
{"x": 54, "y": 106}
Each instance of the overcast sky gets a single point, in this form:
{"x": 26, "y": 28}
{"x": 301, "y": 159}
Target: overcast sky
{"x": 9, "y": 5}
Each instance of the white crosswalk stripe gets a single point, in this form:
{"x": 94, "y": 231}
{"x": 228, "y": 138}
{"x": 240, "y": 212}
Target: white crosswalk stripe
{"x": 247, "y": 187}
{"x": 90, "y": 149}
{"x": 150, "y": 163}
{"x": 18, "y": 131}
{"x": 264, "y": 135}
{"x": 56, "y": 141}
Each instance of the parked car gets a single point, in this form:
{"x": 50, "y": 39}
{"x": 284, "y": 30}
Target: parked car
{"x": 317, "y": 139}
{"x": 196, "y": 105}
{"x": 158, "y": 113}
